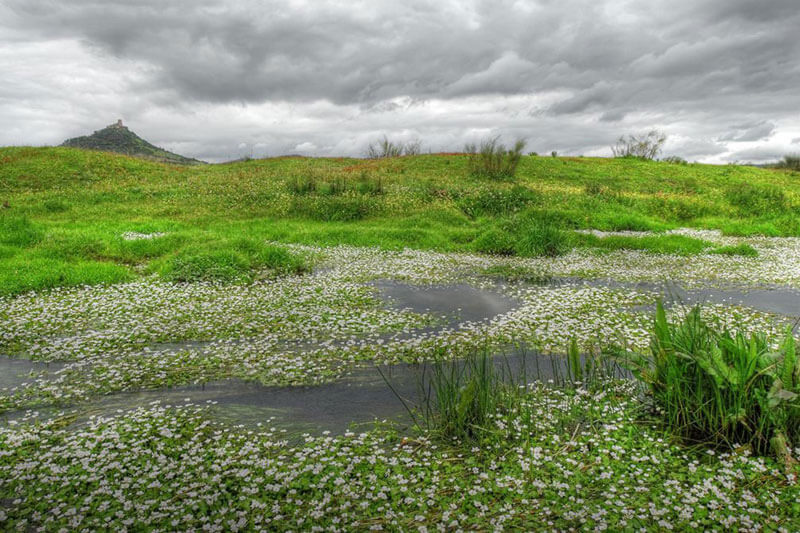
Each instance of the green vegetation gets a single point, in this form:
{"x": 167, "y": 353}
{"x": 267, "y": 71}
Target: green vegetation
{"x": 792, "y": 162}
{"x": 492, "y": 160}
{"x": 723, "y": 388}
{"x": 387, "y": 148}
{"x": 549, "y": 462}
{"x": 235, "y": 261}
{"x": 646, "y": 146}
{"x": 68, "y": 208}
{"x": 743, "y": 249}
{"x": 664, "y": 244}
{"x": 210, "y": 252}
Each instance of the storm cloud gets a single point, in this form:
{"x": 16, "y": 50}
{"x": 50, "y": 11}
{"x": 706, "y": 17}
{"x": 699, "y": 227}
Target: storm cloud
{"x": 213, "y": 79}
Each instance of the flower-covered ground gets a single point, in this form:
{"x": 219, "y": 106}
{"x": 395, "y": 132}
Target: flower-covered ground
{"x": 559, "y": 460}
{"x": 555, "y": 460}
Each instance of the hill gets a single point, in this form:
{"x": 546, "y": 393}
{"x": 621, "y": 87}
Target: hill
{"x": 64, "y": 212}
{"x": 119, "y": 139}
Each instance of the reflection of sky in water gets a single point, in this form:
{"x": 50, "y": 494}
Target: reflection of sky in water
{"x": 363, "y": 396}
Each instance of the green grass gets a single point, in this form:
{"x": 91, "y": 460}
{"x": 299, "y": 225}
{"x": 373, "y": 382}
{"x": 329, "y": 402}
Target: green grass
{"x": 663, "y": 244}
{"x": 744, "y": 250}
{"x": 71, "y": 206}
{"x": 240, "y": 260}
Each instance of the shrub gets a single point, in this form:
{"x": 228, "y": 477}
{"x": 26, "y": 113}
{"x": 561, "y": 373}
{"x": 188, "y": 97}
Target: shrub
{"x": 217, "y": 265}
{"x": 791, "y": 162}
{"x": 459, "y": 397}
{"x": 492, "y": 160}
{"x": 675, "y": 160}
{"x": 646, "y": 146}
{"x": 722, "y": 388}
{"x": 756, "y": 200}
{"x": 386, "y": 148}
{"x": 304, "y": 184}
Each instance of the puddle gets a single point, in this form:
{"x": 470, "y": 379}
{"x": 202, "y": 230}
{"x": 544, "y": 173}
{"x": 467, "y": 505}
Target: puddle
{"x": 354, "y": 402}
{"x": 15, "y": 372}
{"x": 453, "y": 303}
{"x": 459, "y": 302}
{"x": 783, "y": 301}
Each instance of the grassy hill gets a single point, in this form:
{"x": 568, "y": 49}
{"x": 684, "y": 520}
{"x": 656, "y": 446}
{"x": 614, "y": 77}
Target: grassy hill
{"x": 119, "y": 139}
{"x": 69, "y": 209}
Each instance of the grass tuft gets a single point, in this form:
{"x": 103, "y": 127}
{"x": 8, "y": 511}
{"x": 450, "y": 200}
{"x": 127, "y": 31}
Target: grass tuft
{"x": 492, "y": 160}
{"x": 722, "y": 388}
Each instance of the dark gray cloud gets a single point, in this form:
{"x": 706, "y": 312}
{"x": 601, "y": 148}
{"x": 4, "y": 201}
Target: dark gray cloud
{"x": 208, "y": 75}
{"x": 750, "y": 132}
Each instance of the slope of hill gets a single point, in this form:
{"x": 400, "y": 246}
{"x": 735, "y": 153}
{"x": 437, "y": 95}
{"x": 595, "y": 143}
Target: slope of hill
{"x": 65, "y": 212}
{"x": 118, "y": 138}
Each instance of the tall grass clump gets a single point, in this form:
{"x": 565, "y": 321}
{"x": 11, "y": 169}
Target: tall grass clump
{"x": 722, "y": 388}
{"x": 492, "y": 160}
{"x": 385, "y": 148}
{"x": 536, "y": 237}
{"x": 464, "y": 396}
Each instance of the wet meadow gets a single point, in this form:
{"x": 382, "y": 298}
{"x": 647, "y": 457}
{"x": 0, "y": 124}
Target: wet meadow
{"x": 398, "y": 343}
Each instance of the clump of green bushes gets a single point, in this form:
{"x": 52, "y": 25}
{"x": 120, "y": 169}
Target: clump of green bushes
{"x": 792, "y": 162}
{"x": 525, "y": 235}
{"x": 232, "y": 261}
{"x": 492, "y": 160}
{"x": 722, "y": 388}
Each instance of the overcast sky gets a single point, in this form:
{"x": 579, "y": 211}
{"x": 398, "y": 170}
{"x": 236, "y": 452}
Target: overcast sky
{"x": 220, "y": 79}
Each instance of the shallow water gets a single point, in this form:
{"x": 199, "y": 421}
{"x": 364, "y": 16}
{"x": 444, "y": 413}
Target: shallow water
{"x": 355, "y": 402}
{"x": 362, "y": 397}
{"x": 14, "y": 372}
{"x": 783, "y": 301}
{"x": 459, "y": 302}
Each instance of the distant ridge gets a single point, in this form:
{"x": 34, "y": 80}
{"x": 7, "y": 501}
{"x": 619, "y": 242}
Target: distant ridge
{"x": 119, "y": 139}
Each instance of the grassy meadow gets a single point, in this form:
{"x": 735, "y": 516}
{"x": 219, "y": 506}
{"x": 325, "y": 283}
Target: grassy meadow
{"x": 124, "y": 280}
{"x": 69, "y": 210}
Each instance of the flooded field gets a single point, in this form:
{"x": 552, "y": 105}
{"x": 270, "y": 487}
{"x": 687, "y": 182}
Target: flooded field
{"x": 303, "y": 350}
{"x": 318, "y": 373}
